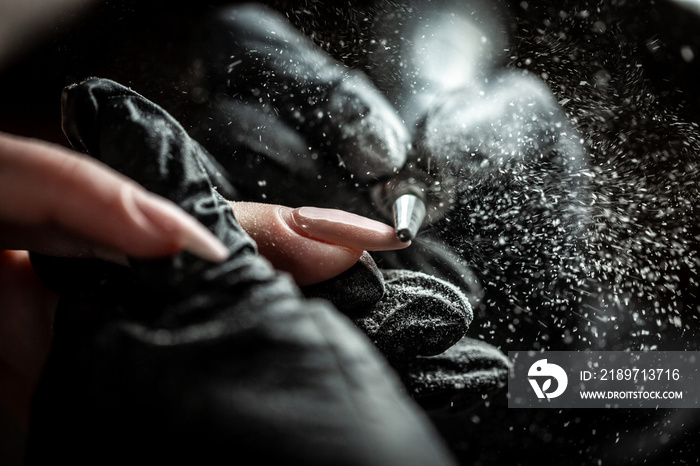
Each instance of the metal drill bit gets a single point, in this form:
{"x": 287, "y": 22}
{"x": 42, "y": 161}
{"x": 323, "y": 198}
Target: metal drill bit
{"x": 409, "y": 213}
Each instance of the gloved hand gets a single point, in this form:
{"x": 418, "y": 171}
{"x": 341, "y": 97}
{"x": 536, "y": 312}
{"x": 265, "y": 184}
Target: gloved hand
{"x": 193, "y": 361}
{"x": 418, "y": 321}
{"x": 264, "y": 99}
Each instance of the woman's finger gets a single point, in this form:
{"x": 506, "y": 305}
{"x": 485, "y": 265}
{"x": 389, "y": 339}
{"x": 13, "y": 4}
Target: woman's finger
{"x": 312, "y": 244}
{"x": 48, "y": 189}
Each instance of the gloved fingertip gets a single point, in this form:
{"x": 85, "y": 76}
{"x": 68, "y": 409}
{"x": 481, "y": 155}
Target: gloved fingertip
{"x": 420, "y": 315}
{"x": 372, "y": 139}
{"x": 354, "y": 291}
{"x": 80, "y": 103}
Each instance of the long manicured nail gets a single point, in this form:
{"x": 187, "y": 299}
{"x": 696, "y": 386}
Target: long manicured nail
{"x": 342, "y": 228}
{"x": 179, "y": 226}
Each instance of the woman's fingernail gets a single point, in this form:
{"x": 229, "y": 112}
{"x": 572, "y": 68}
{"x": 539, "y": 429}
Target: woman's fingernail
{"x": 342, "y": 228}
{"x": 181, "y": 227}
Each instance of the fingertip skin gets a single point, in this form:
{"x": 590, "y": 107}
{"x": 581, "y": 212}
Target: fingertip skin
{"x": 308, "y": 260}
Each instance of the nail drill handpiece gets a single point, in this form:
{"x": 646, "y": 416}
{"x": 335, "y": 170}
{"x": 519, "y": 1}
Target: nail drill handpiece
{"x": 409, "y": 213}
{"x": 415, "y": 197}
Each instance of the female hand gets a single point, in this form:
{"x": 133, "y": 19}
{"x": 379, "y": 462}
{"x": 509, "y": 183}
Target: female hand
{"x": 56, "y": 201}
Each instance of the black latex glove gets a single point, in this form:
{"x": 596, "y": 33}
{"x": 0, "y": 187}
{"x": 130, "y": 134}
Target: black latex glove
{"x": 264, "y": 99}
{"x": 203, "y": 362}
{"x": 418, "y": 321}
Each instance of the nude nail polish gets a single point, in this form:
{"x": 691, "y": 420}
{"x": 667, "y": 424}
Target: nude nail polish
{"x": 343, "y": 228}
